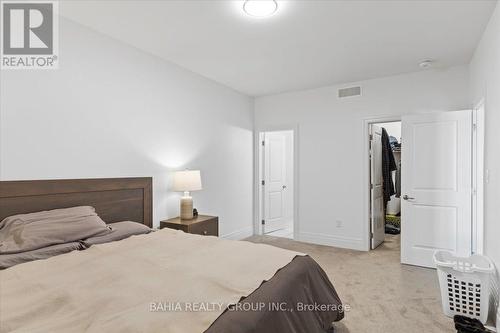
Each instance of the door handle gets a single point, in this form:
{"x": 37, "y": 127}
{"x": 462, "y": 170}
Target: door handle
{"x": 406, "y": 197}
{"x": 284, "y": 186}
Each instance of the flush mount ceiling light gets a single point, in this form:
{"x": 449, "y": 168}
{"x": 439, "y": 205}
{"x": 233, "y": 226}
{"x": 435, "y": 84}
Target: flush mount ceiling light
{"x": 260, "y": 8}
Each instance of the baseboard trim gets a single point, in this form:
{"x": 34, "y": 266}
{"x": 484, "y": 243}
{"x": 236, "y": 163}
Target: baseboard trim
{"x": 330, "y": 240}
{"x": 239, "y": 234}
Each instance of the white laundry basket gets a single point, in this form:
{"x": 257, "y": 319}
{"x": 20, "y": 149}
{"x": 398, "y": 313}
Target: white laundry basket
{"x": 465, "y": 284}
{"x": 498, "y": 320}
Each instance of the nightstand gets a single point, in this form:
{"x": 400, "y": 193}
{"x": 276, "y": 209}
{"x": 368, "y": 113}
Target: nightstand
{"x": 200, "y": 225}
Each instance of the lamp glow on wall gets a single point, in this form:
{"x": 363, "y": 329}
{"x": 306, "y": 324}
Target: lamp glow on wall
{"x": 187, "y": 181}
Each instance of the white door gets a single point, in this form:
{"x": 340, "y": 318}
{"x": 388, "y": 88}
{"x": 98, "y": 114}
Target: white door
{"x": 275, "y": 182}
{"x": 436, "y": 186}
{"x": 377, "y": 187}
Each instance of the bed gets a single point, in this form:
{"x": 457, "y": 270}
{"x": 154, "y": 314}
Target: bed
{"x": 163, "y": 281}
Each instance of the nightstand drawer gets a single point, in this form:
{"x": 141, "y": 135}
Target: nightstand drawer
{"x": 206, "y": 228}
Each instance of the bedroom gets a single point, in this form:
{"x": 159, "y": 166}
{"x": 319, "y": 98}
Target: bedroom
{"x": 148, "y": 88}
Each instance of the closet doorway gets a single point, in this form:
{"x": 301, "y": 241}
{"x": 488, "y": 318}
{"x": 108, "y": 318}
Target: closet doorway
{"x": 385, "y": 184}
{"x": 424, "y": 180}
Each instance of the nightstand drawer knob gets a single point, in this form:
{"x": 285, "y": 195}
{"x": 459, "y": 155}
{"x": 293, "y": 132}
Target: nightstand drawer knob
{"x": 205, "y": 232}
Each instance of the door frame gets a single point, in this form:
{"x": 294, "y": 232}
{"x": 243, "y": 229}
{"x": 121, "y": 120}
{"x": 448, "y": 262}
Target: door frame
{"x": 258, "y": 193}
{"x": 367, "y": 122}
{"x": 478, "y": 115}
{"x": 478, "y": 137}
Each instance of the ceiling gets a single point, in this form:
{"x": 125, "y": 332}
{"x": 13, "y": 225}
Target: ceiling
{"x": 306, "y": 44}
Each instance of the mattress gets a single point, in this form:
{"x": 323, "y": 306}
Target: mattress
{"x": 136, "y": 285}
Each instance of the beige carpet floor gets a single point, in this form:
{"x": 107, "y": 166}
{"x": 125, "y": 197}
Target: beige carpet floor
{"x": 384, "y": 296}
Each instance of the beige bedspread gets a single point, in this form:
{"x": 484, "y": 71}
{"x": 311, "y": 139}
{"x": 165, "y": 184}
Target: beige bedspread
{"x": 114, "y": 287}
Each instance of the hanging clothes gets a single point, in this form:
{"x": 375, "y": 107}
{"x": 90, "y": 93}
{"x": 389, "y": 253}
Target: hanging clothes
{"x": 393, "y": 141}
{"x": 388, "y": 166}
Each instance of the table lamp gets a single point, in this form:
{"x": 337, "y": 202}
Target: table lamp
{"x": 186, "y": 181}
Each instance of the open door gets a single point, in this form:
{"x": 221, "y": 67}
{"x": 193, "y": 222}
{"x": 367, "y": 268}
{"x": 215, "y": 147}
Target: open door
{"x": 277, "y": 206}
{"x": 377, "y": 188}
{"x": 436, "y": 186}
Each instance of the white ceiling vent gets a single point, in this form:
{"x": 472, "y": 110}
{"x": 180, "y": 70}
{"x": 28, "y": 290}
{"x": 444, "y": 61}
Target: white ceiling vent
{"x": 348, "y": 92}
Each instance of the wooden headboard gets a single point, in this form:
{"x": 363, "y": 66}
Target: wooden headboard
{"x": 115, "y": 199}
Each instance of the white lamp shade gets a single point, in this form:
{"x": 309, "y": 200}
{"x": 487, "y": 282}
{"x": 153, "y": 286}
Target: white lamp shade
{"x": 186, "y": 181}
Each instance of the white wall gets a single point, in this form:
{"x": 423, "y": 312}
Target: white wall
{"x": 485, "y": 84}
{"x": 289, "y": 191}
{"x": 111, "y": 110}
{"x": 331, "y": 173}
